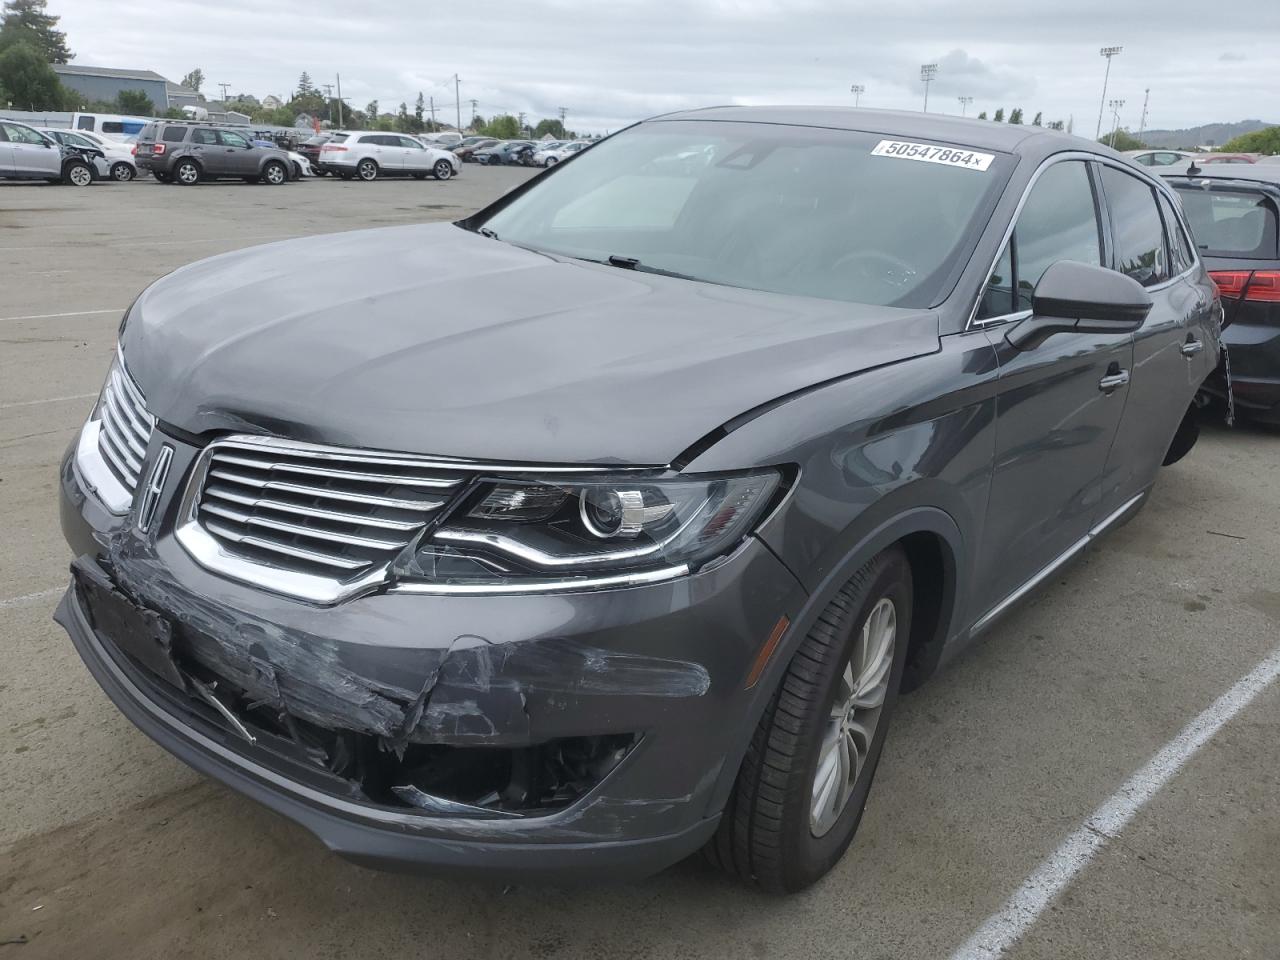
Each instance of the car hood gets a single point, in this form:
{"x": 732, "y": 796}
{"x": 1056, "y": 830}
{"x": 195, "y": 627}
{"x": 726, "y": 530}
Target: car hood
{"x": 433, "y": 339}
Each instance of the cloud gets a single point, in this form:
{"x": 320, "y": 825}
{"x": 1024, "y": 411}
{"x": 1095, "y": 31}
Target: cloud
{"x": 1231, "y": 57}
{"x": 613, "y": 63}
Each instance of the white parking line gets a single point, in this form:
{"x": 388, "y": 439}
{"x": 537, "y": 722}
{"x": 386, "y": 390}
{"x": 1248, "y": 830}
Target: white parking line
{"x": 54, "y": 316}
{"x": 28, "y": 597}
{"x": 1002, "y": 930}
{"x": 32, "y": 403}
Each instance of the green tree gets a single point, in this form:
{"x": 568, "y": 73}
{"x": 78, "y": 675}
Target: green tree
{"x": 1121, "y": 140}
{"x": 371, "y": 113}
{"x": 1038, "y": 119}
{"x": 194, "y": 80}
{"x": 1260, "y": 141}
{"x": 51, "y": 43}
{"x": 553, "y": 127}
{"x": 999, "y": 117}
{"x": 503, "y": 127}
{"x": 135, "y": 102}
{"x": 419, "y": 108}
{"x": 28, "y": 81}
{"x": 305, "y": 86}
{"x": 982, "y": 115}
{"x": 477, "y": 124}
{"x": 1016, "y": 115}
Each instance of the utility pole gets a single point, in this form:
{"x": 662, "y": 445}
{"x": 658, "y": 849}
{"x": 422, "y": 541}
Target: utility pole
{"x": 1107, "y": 52}
{"x": 1115, "y": 106}
{"x": 857, "y": 90}
{"x": 457, "y": 101}
{"x": 927, "y": 72}
{"x": 964, "y": 105}
{"x": 224, "y": 87}
{"x": 432, "y": 101}
{"x": 328, "y": 99}
{"x": 1142, "y": 124}
{"x": 521, "y": 122}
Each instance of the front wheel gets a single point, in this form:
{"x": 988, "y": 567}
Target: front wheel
{"x": 550, "y": 162}
{"x": 122, "y": 172}
{"x": 274, "y": 173}
{"x": 78, "y": 174}
{"x": 804, "y": 780}
{"x": 367, "y": 170}
{"x": 443, "y": 169}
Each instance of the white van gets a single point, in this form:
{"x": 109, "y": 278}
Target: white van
{"x": 111, "y": 125}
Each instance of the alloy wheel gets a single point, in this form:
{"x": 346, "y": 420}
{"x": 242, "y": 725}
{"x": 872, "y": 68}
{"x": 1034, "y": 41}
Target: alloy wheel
{"x": 122, "y": 172}
{"x": 444, "y": 170}
{"x": 851, "y": 724}
{"x": 188, "y": 173}
{"x": 368, "y": 170}
{"x": 80, "y": 175}
{"x": 274, "y": 174}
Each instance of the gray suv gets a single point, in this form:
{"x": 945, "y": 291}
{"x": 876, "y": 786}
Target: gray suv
{"x": 186, "y": 153}
{"x": 711, "y": 442}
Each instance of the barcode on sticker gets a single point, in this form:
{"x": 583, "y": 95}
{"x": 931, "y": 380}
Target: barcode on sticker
{"x": 928, "y": 153}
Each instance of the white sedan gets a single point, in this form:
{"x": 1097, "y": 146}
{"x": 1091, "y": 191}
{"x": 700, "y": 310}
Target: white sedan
{"x": 117, "y": 161}
{"x": 551, "y": 157}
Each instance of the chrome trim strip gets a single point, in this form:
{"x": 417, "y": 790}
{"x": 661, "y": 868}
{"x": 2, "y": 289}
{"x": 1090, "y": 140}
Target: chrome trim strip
{"x": 973, "y": 323}
{"x": 425, "y": 462}
{"x": 94, "y": 473}
{"x": 983, "y": 621}
{"x": 325, "y": 493}
{"x": 639, "y": 578}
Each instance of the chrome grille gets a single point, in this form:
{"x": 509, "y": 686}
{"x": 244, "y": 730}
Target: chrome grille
{"x": 327, "y": 519}
{"x": 126, "y": 426}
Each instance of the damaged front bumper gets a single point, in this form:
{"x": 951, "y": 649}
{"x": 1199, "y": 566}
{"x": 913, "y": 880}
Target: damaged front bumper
{"x": 566, "y": 734}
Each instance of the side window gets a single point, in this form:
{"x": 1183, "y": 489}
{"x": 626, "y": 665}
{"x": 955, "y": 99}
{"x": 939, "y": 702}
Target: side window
{"x": 204, "y": 136}
{"x": 997, "y": 298}
{"x": 112, "y": 126}
{"x": 84, "y": 123}
{"x": 1058, "y": 221}
{"x": 1139, "y": 233}
{"x": 174, "y": 134}
{"x": 410, "y": 143}
{"x": 4, "y": 134}
{"x": 20, "y": 134}
{"x": 1181, "y": 255}
{"x": 232, "y": 139}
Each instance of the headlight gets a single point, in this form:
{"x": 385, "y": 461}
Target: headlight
{"x": 513, "y": 531}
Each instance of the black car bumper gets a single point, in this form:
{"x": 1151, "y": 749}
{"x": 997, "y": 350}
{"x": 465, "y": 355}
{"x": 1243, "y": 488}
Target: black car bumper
{"x": 1253, "y": 352}
{"x": 663, "y": 665}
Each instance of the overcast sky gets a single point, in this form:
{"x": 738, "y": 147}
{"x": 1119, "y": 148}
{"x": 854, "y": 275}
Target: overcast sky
{"x": 610, "y": 62}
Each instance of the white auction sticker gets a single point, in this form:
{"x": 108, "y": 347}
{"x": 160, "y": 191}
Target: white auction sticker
{"x": 927, "y": 153}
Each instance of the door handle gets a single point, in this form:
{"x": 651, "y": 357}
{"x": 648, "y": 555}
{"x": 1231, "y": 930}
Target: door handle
{"x": 1113, "y": 381}
{"x": 1191, "y": 348}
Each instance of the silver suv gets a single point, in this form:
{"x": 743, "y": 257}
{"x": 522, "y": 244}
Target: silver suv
{"x": 27, "y": 154}
{"x": 373, "y": 155}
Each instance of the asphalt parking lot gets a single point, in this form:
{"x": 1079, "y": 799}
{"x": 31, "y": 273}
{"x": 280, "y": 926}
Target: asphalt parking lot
{"x": 110, "y": 848}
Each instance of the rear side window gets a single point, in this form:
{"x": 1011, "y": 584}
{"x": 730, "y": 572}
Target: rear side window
{"x": 112, "y": 126}
{"x": 230, "y": 139}
{"x": 204, "y": 136}
{"x": 1059, "y": 221}
{"x": 1182, "y": 256}
{"x": 1138, "y": 229}
{"x": 175, "y": 134}
{"x": 1231, "y": 222}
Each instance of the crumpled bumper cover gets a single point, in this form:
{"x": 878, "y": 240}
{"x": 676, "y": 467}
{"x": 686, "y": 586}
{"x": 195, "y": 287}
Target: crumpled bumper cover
{"x": 665, "y": 662}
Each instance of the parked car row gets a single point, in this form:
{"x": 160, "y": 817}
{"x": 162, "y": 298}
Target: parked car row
{"x": 529, "y": 153}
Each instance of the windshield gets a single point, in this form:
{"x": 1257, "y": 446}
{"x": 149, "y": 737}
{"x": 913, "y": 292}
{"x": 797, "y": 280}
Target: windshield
{"x": 793, "y": 210}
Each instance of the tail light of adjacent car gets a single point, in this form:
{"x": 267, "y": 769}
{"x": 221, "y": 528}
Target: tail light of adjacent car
{"x": 1251, "y": 286}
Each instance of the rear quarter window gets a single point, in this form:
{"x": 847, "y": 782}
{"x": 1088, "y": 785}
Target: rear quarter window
{"x": 174, "y": 134}
{"x": 1231, "y": 221}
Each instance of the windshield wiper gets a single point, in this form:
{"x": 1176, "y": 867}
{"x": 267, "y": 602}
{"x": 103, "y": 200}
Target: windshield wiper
{"x": 632, "y": 263}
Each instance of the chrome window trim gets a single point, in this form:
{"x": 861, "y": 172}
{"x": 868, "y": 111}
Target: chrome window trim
{"x": 634, "y": 579}
{"x": 973, "y": 322}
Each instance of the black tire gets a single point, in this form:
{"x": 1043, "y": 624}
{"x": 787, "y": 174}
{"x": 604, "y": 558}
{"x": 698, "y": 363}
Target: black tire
{"x": 1185, "y": 437}
{"x": 187, "y": 173}
{"x": 275, "y": 173}
{"x": 346, "y": 176}
{"x": 122, "y": 172}
{"x": 161, "y": 177}
{"x": 765, "y": 835}
{"x": 419, "y": 176}
{"x": 443, "y": 170}
{"x": 77, "y": 173}
{"x": 367, "y": 170}
{"x": 317, "y": 172}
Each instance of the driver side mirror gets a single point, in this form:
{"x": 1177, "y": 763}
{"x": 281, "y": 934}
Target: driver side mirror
{"x": 1076, "y": 297}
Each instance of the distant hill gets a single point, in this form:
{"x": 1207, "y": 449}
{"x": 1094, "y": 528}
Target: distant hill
{"x": 1215, "y": 133}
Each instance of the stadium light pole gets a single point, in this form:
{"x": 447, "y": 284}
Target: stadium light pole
{"x": 857, "y": 90}
{"x": 927, "y": 72}
{"x": 1116, "y": 106}
{"x": 964, "y": 105}
{"x": 1107, "y": 52}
